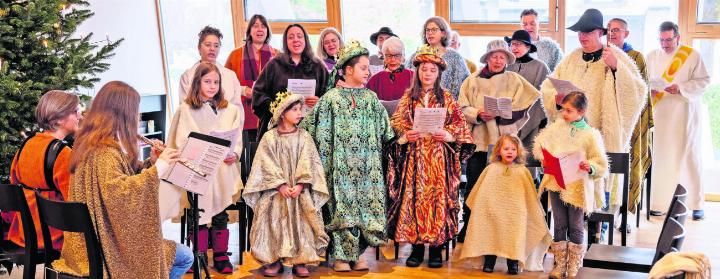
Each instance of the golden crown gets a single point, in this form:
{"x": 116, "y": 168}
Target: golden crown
{"x": 427, "y": 50}
{"x": 278, "y": 100}
{"x": 352, "y": 48}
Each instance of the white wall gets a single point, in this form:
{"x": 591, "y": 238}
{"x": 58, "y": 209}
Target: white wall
{"x": 138, "y": 59}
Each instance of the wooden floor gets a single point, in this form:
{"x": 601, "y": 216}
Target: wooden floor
{"x": 702, "y": 236}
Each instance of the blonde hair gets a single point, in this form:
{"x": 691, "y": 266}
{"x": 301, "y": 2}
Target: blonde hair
{"x": 193, "y": 99}
{"x": 112, "y": 121}
{"x": 321, "y": 48}
{"x": 495, "y": 155}
{"x": 53, "y": 106}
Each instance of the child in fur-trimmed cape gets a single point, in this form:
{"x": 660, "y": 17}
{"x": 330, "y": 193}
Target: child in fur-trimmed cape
{"x": 507, "y": 219}
{"x": 567, "y": 135}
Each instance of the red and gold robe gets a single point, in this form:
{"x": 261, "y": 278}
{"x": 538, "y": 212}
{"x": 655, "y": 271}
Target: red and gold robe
{"x": 423, "y": 176}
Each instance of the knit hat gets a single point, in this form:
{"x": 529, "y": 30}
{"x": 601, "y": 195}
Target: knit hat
{"x": 351, "y": 50}
{"x": 522, "y": 36}
{"x": 590, "y": 20}
{"x": 281, "y": 103}
{"x": 495, "y": 46}
{"x": 428, "y": 54}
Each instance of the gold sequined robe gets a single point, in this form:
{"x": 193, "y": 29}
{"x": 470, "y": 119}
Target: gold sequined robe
{"x": 123, "y": 205}
{"x": 507, "y": 219}
{"x": 423, "y": 176}
{"x": 289, "y": 229}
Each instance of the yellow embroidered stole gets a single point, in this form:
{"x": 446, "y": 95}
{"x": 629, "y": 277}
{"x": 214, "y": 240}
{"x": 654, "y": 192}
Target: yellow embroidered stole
{"x": 676, "y": 64}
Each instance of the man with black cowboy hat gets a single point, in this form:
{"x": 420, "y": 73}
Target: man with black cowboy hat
{"x": 533, "y": 70}
{"x": 377, "y": 39}
{"x": 616, "y": 96}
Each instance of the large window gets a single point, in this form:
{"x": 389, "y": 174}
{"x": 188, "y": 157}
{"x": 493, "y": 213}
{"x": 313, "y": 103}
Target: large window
{"x": 709, "y": 50}
{"x": 708, "y": 11}
{"x": 291, "y": 11}
{"x": 643, "y": 19}
{"x": 404, "y": 17}
{"x": 182, "y": 20}
{"x": 495, "y": 11}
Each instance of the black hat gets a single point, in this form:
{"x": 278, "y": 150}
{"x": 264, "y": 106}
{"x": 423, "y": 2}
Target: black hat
{"x": 383, "y": 30}
{"x": 590, "y": 20}
{"x": 523, "y": 36}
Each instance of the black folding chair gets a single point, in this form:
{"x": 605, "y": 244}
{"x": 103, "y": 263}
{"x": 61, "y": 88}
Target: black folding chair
{"x": 70, "y": 217}
{"x": 641, "y": 259}
{"x": 619, "y": 164}
{"x": 12, "y": 199}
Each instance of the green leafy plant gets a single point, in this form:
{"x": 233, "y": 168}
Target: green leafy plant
{"x": 40, "y": 51}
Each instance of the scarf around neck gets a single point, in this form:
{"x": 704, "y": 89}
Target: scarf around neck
{"x": 485, "y": 73}
{"x": 250, "y": 69}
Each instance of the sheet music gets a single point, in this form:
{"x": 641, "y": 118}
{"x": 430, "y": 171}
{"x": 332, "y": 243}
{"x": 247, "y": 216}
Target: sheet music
{"x": 563, "y": 87}
{"x": 204, "y": 155}
{"x": 429, "y": 120}
{"x": 499, "y": 106}
{"x": 230, "y": 135}
{"x": 570, "y": 166}
{"x": 305, "y": 87}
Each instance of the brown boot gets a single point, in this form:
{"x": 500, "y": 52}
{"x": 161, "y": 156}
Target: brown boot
{"x": 559, "y": 250}
{"x": 576, "y": 252}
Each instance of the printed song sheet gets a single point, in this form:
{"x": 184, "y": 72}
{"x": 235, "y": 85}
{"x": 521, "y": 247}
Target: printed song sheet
{"x": 201, "y": 157}
{"x": 305, "y": 87}
{"x": 429, "y": 120}
{"x": 499, "y": 106}
{"x": 230, "y": 135}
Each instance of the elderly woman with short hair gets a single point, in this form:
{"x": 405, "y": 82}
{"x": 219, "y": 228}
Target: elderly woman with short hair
{"x": 391, "y": 83}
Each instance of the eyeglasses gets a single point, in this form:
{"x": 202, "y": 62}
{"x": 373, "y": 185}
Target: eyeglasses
{"x": 668, "y": 40}
{"x": 432, "y": 30}
{"x": 616, "y": 30}
{"x": 517, "y": 44}
{"x": 393, "y": 56}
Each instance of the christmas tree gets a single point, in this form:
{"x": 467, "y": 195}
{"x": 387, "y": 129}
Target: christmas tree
{"x": 39, "y": 51}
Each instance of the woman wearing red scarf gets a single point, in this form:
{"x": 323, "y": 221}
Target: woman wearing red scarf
{"x": 248, "y": 61}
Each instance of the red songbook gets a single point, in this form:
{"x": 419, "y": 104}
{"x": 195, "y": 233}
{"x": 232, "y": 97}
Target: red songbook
{"x": 552, "y": 166}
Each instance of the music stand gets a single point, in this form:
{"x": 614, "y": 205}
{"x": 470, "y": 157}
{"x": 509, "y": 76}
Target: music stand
{"x": 200, "y": 259}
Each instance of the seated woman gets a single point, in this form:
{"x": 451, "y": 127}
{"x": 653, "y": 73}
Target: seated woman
{"x": 58, "y": 116}
{"x": 121, "y": 194}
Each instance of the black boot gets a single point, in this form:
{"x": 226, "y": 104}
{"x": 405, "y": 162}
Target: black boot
{"x": 489, "y": 265}
{"x": 513, "y": 268}
{"x": 466, "y": 220}
{"x": 416, "y": 256}
{"x": 435, "y": 257}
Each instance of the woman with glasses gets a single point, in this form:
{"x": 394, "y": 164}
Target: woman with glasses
{"x": 391, "y": 83}
{"x": 436, "y": 34}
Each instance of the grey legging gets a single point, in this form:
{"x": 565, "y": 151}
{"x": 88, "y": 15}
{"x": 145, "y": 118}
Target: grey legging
{"x": 568, "y": 220}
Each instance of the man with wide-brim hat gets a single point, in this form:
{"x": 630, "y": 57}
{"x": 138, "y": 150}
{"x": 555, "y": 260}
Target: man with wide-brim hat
{"x": 377, "y": 39}
{"x": 493, "y": 81}
{"x": 616, "y": 95}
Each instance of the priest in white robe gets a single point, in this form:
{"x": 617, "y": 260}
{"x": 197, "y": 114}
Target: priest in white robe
{"x": 678, "y": 79}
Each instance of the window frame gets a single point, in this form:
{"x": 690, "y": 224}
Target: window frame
{"x": 277, "y": 27}
{"x": 554, "y": 28}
